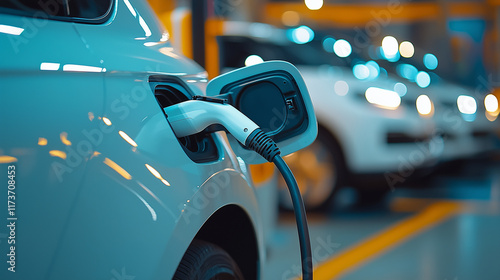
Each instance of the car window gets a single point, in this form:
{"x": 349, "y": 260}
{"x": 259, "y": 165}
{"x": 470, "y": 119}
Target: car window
{"x": 89, "y": 11}
{"x": 235, "y": 49}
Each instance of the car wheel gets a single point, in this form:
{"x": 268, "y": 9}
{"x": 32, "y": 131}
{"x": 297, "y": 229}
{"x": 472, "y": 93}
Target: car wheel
{"x": 206, "y": 261}
{"x": 319, "y": 170}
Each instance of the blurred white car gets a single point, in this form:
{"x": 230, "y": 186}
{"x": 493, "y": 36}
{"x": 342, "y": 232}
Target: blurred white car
{"x": 380, "y": 140}
{"x": 96, "y": 183}
{"x": 368, "y": 136}
{"x": 465, "y": 118}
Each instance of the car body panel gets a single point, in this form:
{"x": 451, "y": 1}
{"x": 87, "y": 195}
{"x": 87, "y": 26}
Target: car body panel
{"x": 31, "y": 98}
{"x": 104, "y": 187}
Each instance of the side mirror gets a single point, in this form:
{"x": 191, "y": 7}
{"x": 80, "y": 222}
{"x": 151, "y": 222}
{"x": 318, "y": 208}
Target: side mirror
{"x": 274, "y": 96}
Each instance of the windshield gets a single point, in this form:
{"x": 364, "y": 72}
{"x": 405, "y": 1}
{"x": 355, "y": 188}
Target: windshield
{"x": 66, "y": 10}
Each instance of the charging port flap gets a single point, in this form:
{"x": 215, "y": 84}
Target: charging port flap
{"x": 274, "y": 96}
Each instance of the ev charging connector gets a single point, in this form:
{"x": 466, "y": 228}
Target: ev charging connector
{"x": 194, "y": 116}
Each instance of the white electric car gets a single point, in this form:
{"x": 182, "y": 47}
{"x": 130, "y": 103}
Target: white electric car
{"x": 95, "y": 183}
{"x": 368, "y": 136}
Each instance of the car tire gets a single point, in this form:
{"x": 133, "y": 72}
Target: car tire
{"x": 207, "y": 261}
{"x": 320, "y": 171}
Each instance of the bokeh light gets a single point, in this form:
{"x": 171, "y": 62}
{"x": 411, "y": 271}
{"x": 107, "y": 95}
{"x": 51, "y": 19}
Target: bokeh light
{"x": 406, "y": 49}
{"x": 466, "y": 104}
{"x": 401, "y": 89}
{"x": 383, "y": 98}
{"x": 407, "y": 71}
{"x": 328, "y": 44}
{"x": 341, "y": 88}
{"x": 423, "y": 79}
{"x": 424, "y": 105}
{"x": 314, "y": 4}
{"x": 430, "y": 61}
{"x": 342, "y": 48}
{"x": 302, "y": 35}
{"x": 390, "y": 46}
{"x": 290, "y": 18}
{"x": 491, "y": 103}
{"x": 373, "y": 68}
{"x": 253, "y": 59}
{"x": 361, "y": 72}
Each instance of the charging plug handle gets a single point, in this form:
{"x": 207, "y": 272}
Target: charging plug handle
{"x": 193, "y": 116}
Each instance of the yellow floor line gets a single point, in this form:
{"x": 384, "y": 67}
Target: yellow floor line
{"x": 385, "y": 240}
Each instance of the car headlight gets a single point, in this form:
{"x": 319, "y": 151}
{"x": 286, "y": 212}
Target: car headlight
{"x": 383, "y": 98}
{"x": 424, "y": 105}
{"x": 466, "y": 104}
{"x": 491, "y": 103}
{"x": 491, "y": 106}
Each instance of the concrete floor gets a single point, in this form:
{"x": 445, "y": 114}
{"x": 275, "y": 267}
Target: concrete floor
{"x": 443, "y": 228}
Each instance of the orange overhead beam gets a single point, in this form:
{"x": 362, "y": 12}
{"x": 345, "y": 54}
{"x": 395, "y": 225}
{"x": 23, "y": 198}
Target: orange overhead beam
{"x": 161, "y": 6}
{"x": 493, "y": 2}
{"x": 468, "y": 9}
{"x": 383, "y": 14}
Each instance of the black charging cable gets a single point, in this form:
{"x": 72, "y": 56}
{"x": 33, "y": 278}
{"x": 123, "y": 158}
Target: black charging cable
{"x": 266, "y": 147}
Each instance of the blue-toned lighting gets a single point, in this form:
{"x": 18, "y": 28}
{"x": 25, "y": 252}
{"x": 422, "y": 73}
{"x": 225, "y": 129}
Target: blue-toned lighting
{"x": 374, "y": 52}
{"x": 383, "y": 72}
{"x": 401, "y": 89}
{"x": 391, "y": 58}
{"x": 407, "y": 71}
{"x": 373, "y": 68}
{"x": 328, "y": 44}
{"x": 360, "y": 71}
{"x": 394, "y": 58}
{"x": 302, "y": 35}
{"x": 342, "y": 48}
{"x": 430, "y": 61}
{"x": 469, "y": 117}
{"x": 423, "y": 79}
